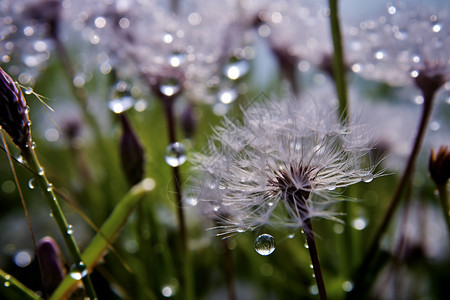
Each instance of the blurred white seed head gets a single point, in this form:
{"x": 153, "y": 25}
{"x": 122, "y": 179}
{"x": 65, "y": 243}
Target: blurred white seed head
{"x": 280, "y": 165}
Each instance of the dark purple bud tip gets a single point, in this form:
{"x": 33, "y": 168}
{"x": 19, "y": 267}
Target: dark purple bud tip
{"x": 439, "y": 165}
{"x": 131, "y": 152}
{"x": 14, "y": 112}
{"x": 51, "y": 264}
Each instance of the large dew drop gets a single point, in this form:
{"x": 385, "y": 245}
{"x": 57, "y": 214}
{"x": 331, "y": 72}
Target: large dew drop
{"x": 120, "y": 98}
{"x": 175, "y": 154}
{"x": 169, "y": 87}
{"x": 78, "y": 271}
{"x": 265, "y": 244}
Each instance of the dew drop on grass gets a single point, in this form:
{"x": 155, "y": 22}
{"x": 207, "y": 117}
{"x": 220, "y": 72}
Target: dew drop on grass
{"x": 265, "y": 244}
{"x": 69, "y": 229}
{"x": 31, "y": 183}
{"x": 175, "y": 154}
{"x": 292, "y": 235}
{"x": 78, "y": 271}
{"x": 347, "y": 286}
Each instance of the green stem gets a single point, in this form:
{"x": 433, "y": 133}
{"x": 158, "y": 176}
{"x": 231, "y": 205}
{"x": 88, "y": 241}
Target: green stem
{"x": 106, "y": 235}
{"x": 338, "y": 61}
{"x": 11, "y": 288}
{"x": 442, "y": 189}
{"x": 33, "y": 163}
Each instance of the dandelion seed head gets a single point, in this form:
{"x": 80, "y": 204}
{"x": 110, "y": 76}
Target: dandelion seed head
{"x": 278, "y": 164}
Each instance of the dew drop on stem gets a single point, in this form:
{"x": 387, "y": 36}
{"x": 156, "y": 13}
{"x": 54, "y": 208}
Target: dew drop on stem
{"x": 175, "y": 154}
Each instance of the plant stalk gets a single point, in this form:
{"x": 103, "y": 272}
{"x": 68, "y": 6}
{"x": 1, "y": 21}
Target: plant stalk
{"x": 30, "y": 157}
{"x": 309, "y": 234}
{"x": 338, "y": 61}
{"x": 396, "y": 198}
{"x": 107, "y": 234}
{"x": 186, "y": 276}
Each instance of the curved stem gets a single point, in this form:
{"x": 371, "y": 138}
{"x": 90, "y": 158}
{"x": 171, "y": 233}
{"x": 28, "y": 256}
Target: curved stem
{"x": 41, "y": 179}
{"x": 404, "y": 181}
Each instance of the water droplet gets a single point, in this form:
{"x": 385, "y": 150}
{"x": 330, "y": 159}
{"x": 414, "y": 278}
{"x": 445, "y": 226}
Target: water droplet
{"x": 347, "y": 286}
{"x": 175, "y": 60}
{"x": 168, "y": 291}
{"x": 311, "y": 266}
{"x": 359, "y": 223}
{"x": 69, "y": 229}
{"x": 306, "y": 245}
{"x": 191, "y": 200}
{"x": 331, "y": 187}
{"x": 20, "y": 159}
{"x": 31, "y": 183}
{"x": 216, "y": 209}
{"x": 379, "y": 55}
{"x": 78, "y": 271}
{"x": 22, "y": 258}
{"x": 227, "y": 96}
{"x": 41, "y": 172}
{"x": 168, "y": 38}
{"x": 28, "y": 90}
{"x": 265, "y": 244}
{"x": 120, "y": 98}
{"x": 6, "y": 284}
{"x": 237, "y": 69}
{"x": 313, "y": 290}
{"x": 338, "y": 228}
{"x": 392, "y": 10}
{"x": 270, "y": 203}
{"x": 414, "y": 73}
{"x": 33, "y": 145}
{"x": 222, "y": 184}
{"x": 50, "y": 214}
{"x": 175, "y": 154}
{"x": 367, "y": 177}
{"x": 437, "y": 28}
{"x": 292, "y": 235}
{"x": 49, "y": 187}
{"x": 170, "y": 87}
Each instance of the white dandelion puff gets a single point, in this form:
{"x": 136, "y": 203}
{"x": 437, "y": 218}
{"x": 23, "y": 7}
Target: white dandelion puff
{"x": 280, "y": 165}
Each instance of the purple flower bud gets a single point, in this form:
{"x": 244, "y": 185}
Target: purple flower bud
{"x": 51, "y": 264}
{"x": 131, "y": 153}
{"x": 14, "y": 111}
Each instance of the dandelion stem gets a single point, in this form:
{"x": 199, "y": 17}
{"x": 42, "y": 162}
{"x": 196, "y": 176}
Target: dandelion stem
{"x": 309, "y": 233}
{"x": 404, "y": 182}
{"x": 185, "y": 279}
{"x": 229, "y": 271}
{"x": 30, "y": 157}
{"x": 338, "y": 61}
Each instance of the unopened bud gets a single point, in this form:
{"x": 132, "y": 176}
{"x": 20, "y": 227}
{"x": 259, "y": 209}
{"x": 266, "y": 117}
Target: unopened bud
{"x": 439, "y": 165}
{"x": 14, "y": 111}
{"x": 131, "y": 153}
{"x": 51, "y": 264}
